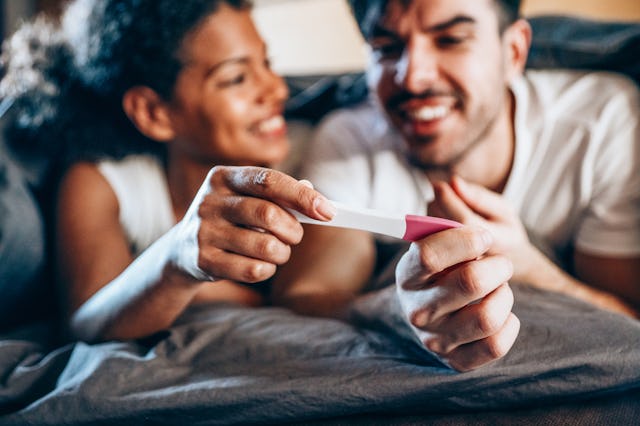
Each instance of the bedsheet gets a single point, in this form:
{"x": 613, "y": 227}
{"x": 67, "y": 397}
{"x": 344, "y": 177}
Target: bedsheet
{"x": 227, "y": 364}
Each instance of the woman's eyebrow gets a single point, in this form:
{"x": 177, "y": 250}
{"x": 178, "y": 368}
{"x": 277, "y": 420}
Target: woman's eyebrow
{"x": 238, "y": 60}
{"x": 241, "y": 60}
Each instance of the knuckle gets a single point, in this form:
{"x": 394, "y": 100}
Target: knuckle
{"x": 496, "y": 347}
{"x": 429, "y": 259}
{"x": 267, "y": 214}
{"x": 487, "y": 323}
{"x": 264, "y": 178}
{"x": 256, "y": 272}
{"x": 206, "y": 261}
{"x": 468, "y": 280}
{"x": 305, "y": 196}
{"x": 475, "y": 243}
{"x": 270, "y": 249}
{"x": 507, "y": 266}
{"x": 423, "y": 317}
{"x": 434, "y": 344}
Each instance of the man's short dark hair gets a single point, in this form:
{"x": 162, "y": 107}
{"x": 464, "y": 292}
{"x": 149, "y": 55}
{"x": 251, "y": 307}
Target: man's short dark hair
{"x": 367, "y": 13}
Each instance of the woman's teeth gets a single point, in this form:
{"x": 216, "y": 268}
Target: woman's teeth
{"x": 428, "y": 113}
{"x": 272, "y": 124}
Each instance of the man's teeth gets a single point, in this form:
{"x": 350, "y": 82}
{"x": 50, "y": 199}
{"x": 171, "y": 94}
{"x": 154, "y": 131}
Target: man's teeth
{"x": 272, "y": 124}
{"x": 428, "y": 113}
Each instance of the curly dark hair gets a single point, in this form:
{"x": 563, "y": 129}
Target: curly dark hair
{"x": 367, "y": 12}
{"x": 67, "y": 82}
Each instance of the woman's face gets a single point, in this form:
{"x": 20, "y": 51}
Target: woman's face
{"x": 228, "y": 104}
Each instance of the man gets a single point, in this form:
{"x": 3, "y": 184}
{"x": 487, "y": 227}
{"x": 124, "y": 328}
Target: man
{"x": 550, "y": 158}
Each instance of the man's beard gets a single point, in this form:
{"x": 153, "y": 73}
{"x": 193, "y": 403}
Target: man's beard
{"x": 428, "y": 166}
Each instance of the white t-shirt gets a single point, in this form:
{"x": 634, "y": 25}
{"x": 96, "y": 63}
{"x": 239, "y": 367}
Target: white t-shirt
{"x": 140, "y": 185}
{"x": 575, "y": 180}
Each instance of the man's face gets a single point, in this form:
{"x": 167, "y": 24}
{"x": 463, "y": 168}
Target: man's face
{"x": 439, "y": 69}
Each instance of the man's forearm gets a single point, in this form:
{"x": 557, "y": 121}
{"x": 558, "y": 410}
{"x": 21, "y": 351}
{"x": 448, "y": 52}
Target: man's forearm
{"x": 543, "y": 273}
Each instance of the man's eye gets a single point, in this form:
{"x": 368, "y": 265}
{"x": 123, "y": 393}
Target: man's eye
{"x": 388, "y": 50}
{"x": 451, "y": 40}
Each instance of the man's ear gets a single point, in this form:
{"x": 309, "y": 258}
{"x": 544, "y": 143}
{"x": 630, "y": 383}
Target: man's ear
{"x": 517, "y": 39}
{"x": 149, "y": 113}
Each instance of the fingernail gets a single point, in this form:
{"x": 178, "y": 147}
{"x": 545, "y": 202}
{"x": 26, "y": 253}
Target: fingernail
{"x": 306, "y": 183}
{"x": 324, "y": 207}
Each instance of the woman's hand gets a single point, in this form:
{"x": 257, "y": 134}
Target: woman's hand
{"x": 237, "y": 227}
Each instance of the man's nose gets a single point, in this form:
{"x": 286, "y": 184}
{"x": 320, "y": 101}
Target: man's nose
{"x": 418, "y": 67}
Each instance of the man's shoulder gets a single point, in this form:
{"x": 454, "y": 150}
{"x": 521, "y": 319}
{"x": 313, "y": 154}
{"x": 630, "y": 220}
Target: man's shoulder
{"x": 576, "y": 96}
{"x": 580, "y": 86}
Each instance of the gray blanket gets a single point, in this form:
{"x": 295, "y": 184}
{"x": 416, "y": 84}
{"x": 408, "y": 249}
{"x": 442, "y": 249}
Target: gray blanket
{"x": 226, "y": 364}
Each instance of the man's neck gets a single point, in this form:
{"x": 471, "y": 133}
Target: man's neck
{"x": 489, "y": 162}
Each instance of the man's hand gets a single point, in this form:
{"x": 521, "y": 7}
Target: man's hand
{"x": 237, "y": 227}
{"x": 475, "y": 205}
{"x": 472, "y": 204}
{"x": 456, "y": 297}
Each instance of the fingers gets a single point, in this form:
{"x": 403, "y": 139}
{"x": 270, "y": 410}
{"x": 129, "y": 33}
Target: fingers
{"x": 486, "y": 203}
{"x": 434, "y": 254}
{"x": 471, "y": 323}
{"x": 231, "y": 213}
{"x": 220, "y": 263}
{"x": 481, "y": 352}
{"x": 275, "y": 186}
{"x": 449, "y": 205}
{"x": 252, "y": 243}
{"x": 456, "y": 298}
{"x": 431, "y": 309}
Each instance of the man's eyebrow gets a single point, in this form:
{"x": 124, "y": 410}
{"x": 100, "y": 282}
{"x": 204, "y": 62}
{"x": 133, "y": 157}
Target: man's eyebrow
{"x": 456, "y": 20}
{"x": 380, "y": 31}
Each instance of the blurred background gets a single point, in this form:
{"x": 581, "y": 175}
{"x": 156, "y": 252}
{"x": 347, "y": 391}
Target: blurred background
{"x": 318, "y": 36}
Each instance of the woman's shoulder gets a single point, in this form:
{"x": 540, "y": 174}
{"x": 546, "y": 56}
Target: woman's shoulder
{"x": 84, "y": 186}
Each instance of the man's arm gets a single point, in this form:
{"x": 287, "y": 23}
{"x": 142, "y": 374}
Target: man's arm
{"x": 610, "y": 283}
{"x": 325, "y": 272}
{"x": 620, "y": 276}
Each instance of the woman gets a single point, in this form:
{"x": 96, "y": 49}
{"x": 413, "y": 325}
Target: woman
{"x": 164, "y": 91}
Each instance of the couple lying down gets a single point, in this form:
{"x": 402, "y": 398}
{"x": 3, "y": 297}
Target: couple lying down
{"x": 170, "y": 129}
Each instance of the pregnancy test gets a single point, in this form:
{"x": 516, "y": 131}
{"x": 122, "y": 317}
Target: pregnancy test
{"x": 408, "y": 227}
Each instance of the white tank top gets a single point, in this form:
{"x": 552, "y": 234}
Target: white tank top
{"x": 140, "y": 185}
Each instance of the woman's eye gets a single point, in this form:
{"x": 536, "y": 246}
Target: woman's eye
{"x": 239, "y": 79}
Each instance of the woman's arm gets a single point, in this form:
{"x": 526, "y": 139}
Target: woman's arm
{"x": 92, "y": 251}
{"x": 111, "y": 295}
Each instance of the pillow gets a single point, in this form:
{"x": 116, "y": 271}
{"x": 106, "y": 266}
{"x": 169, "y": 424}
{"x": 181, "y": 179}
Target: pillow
{"x": 22, "y": 247}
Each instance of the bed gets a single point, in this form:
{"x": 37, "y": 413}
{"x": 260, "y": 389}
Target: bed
{"x": 226, "y": 364}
